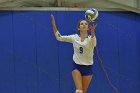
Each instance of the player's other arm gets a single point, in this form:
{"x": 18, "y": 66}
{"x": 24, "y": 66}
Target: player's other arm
{"x": 57, "y": 34}
{"x": 92, "y": 29}
{"x": 93, "y": 38}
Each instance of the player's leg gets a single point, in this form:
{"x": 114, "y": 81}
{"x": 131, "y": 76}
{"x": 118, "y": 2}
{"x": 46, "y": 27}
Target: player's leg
{"x": 77, "y": 80}
{"x": 85, "y": 82}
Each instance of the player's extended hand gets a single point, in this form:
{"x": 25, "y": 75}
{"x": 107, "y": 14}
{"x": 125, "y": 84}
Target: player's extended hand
{"x": 92, "y": 27}
{"x": 53, "y": 19}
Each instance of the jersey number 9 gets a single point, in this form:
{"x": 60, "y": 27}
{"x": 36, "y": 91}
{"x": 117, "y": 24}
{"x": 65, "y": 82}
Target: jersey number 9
{"x": 81, "y": 50}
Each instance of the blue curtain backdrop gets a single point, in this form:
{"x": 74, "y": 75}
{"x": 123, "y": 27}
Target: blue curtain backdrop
{"x": 32, "y": 61}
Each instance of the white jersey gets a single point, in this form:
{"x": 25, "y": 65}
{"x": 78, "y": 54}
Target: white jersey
{"x": 83, "y": 51}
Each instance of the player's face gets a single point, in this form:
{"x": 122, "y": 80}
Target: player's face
{"x": 83, "y": 25}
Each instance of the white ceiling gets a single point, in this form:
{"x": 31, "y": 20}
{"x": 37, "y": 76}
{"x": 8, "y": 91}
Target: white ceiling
{"x": 100, "y": 4}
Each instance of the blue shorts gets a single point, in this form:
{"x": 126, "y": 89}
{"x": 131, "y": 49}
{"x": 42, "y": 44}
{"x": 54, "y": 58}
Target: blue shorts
{"x": 85, "y": 70}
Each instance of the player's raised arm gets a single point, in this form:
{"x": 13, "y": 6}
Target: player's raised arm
{"x": 57, "y": 34}
{"x": 54, "y": 24}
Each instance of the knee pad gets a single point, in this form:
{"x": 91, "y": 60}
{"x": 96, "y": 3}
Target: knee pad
{"x": 79, "y": 91}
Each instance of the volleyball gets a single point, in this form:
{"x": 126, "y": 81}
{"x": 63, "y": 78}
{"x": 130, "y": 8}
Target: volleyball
{"x": 91, "y": 14}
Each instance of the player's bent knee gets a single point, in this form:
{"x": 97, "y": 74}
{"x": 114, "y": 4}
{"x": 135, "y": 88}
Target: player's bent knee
{"x": 79, "y": 91}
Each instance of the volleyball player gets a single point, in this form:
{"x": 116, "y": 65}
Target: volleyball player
{"x": 83, "y": 46}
